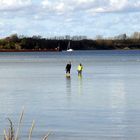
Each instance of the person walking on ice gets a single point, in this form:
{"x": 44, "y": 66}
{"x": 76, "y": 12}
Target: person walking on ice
{"x": 79, "y": 69}
{"x": 68, "y": 68}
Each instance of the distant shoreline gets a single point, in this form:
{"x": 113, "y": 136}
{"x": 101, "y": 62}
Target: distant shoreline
{"x": 52, "y": 50}
{"x": 15, "y": 43}
{"x": 27, "y": 50}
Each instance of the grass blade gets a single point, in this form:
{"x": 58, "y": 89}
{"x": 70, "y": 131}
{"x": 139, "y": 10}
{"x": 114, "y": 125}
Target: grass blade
{"x": 31, "y": 129}
{"x": 19, "y": 125}
{"x": 46, "y": 137}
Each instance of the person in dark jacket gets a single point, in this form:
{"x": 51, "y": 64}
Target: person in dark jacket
{"x": 68, "y": 68}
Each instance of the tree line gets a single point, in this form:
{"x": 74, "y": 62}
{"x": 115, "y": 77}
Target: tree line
{"x": 37, "y": 43}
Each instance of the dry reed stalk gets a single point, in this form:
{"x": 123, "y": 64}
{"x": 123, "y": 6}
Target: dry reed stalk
{"x": 19, "y": 124}
{"x": 11, "y": 130}
{"x": 10, "y": 135}
{"x": 5, "y": 135}
{"x": 47, "y": 135}
{"x": 31, "y": 129}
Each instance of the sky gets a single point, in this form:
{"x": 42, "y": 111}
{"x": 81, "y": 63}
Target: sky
{"x": 49, "y": 18}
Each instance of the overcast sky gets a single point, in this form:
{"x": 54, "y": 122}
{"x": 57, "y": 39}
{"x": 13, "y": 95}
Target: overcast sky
{"x": 69, "y": 17}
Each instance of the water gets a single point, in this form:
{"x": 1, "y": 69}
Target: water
{"x": 103, "y": 104}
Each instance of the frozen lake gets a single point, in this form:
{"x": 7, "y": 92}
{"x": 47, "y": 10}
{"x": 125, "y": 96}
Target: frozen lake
{"x": 103, "y": 104}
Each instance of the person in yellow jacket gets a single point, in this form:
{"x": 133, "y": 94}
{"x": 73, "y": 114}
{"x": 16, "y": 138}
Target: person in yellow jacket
{"x": 79, "y": 69}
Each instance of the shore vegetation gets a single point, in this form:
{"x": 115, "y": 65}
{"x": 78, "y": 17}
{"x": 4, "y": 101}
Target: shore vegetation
{"x": 13, "y": 133}
{"x": 37, "y": 43}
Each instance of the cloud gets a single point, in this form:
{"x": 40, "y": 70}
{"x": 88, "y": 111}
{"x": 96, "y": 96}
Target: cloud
{"x": 56, "y": 17}
{"x": 95, "y": 6}
{"x": 67, "y": 8}
{"x": 116, "y": 6}
{"x": 6, "y": 5}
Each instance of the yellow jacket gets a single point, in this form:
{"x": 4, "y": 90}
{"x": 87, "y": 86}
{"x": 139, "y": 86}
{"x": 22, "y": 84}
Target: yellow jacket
{"x": 80, "y": 68}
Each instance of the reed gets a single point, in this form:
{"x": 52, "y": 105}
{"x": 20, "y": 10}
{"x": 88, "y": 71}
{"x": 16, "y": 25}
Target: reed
{"x": 46, "y": 136}
{"x": 11, "y": 134}
{"x": 31, "y": 129}
{"x": 19, "y": 125}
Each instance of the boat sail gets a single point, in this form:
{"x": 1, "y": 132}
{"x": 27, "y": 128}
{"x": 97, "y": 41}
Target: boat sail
{"x": 69, "y": 49}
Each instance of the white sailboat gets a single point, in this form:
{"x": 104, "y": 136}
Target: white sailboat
{"x": 69, "y": 49}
